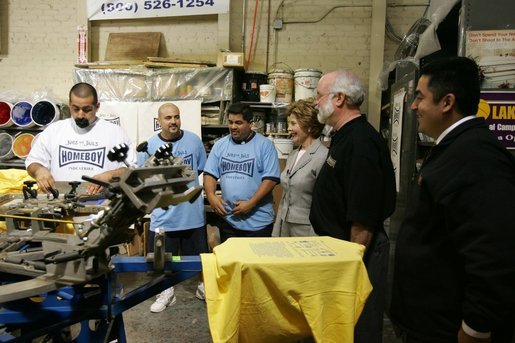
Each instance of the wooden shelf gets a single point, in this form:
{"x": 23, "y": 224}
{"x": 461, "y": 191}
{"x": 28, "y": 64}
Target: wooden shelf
{"x": 269, "y": 105}
{"x": 277, "y": 134}
{"x": 29, "y": 129}
{"x": 13, "y": 163}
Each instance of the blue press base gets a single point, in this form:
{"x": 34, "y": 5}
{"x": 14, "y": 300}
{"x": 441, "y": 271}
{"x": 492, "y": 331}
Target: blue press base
{"x": 98, "y": 300}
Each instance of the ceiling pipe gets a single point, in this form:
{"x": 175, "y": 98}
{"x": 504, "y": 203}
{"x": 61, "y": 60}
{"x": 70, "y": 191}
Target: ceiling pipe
{"x": 243, "y": 25}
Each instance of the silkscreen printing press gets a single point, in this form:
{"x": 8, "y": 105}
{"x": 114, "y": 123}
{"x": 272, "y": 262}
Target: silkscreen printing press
{"x": 58, "y": 263}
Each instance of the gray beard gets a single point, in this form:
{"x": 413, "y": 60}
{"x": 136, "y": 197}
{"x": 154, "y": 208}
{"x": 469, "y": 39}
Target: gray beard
{"x": 325, "y": 111}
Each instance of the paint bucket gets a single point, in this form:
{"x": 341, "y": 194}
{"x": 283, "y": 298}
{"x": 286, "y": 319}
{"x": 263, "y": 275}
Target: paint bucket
{"x": 266, "y": 93}
{"x": 20, "y": 114}
{"x": 44, "y": 112}
{"x": 283, "y": 82}
{"x": 22, "y": 144}
{"x": 251, "y": 82}
{"x": 5, "y": 114}
{"x": 6, "y": 143}
{"x": 283, "y": 146}
{"x": 306, "y": 81}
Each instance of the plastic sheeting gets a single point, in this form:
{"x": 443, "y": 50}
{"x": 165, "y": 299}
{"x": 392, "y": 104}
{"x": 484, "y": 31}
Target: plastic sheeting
{"x": 428, "y": 42}
{"x": 421, "y": 40}
{"x": 143, "y": 84}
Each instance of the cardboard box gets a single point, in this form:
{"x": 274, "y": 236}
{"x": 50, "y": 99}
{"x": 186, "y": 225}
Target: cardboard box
{"x": 137, "y": 246}
{"x": 231, "y": 59}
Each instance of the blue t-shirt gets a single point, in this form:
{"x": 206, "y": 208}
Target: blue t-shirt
{"x": 241, "y": 168}
{"x": 185, "y": 215}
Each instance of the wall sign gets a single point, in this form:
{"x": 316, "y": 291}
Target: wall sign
{"x": 498, "y": 109}
{"x": 494, "y": 52}
{"x": 130, "y": 9}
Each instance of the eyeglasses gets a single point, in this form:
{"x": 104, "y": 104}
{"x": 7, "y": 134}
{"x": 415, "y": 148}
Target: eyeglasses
{"x": 320, "y": 96}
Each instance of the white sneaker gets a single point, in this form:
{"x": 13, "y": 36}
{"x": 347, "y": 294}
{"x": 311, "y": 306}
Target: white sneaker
{"x": 201, "y": 292}
{"x": 164, "y": 299}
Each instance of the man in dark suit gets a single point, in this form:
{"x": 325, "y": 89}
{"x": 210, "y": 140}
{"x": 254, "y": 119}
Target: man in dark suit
{"x": 454, "y": 269}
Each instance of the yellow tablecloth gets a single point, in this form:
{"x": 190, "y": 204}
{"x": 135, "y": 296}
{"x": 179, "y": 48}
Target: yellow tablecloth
{"x": 283, "y": 289}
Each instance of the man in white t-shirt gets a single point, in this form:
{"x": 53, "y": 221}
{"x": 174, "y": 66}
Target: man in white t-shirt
{"x": 70, "y": 148}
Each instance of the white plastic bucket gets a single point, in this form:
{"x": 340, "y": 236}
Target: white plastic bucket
{"x": 6, "y": 149}
{"x": 20, "y": 114}
{"x": 22, "y": 144}
{"x": 283, "y": 83}
{"x": 266, "y": 93}
{"x": 5, "y": 114}
{"x": 283, "y": 146}
{"x": 44, "y": 112}
{"x": 306, "y": 81}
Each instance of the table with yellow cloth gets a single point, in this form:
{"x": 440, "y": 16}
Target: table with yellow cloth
{"x": 284, "y": 289}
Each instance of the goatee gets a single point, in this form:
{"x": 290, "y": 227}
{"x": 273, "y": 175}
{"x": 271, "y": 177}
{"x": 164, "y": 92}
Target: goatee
{"x": 82, "y": 122}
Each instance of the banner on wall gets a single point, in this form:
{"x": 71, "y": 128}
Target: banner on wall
{"x": 130, "y": 9}
{"x": 395, "y": 144}
{"x": 498, "y": 109}
{"x": 138, "y": 119}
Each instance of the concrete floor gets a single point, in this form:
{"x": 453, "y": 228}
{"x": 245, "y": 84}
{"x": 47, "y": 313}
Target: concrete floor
{"x": 184, "y": 322}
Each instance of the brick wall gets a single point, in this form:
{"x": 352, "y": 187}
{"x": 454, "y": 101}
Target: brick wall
{"x": 38, "y": 37}
{"x": 341, "y": 39}
{"x": 38, "y": 46}
{"x": 401, "y": 18}
{"x": 192, "y": 37}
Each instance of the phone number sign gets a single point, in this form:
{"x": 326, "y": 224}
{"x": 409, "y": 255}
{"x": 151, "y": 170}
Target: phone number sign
{"x": 110, "y": 10}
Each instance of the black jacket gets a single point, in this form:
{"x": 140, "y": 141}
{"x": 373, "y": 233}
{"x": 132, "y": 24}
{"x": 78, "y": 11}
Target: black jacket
{"x": 455, "y": 253}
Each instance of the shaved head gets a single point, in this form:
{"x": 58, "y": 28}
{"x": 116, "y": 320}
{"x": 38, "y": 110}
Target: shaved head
{"x": 167, "y": 108}
{"x": 84, "y": 90}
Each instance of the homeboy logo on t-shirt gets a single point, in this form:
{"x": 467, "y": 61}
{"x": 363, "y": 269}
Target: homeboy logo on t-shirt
{"x": 94, "y": 157}
{"x": 188, "y": 160}
{"x": 245, "y": 167}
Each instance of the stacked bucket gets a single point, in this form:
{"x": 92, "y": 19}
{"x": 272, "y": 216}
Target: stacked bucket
{"x": 281, "y": 88}
{"x": 20, "y": 123}
{"x": 285, "y": 85}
